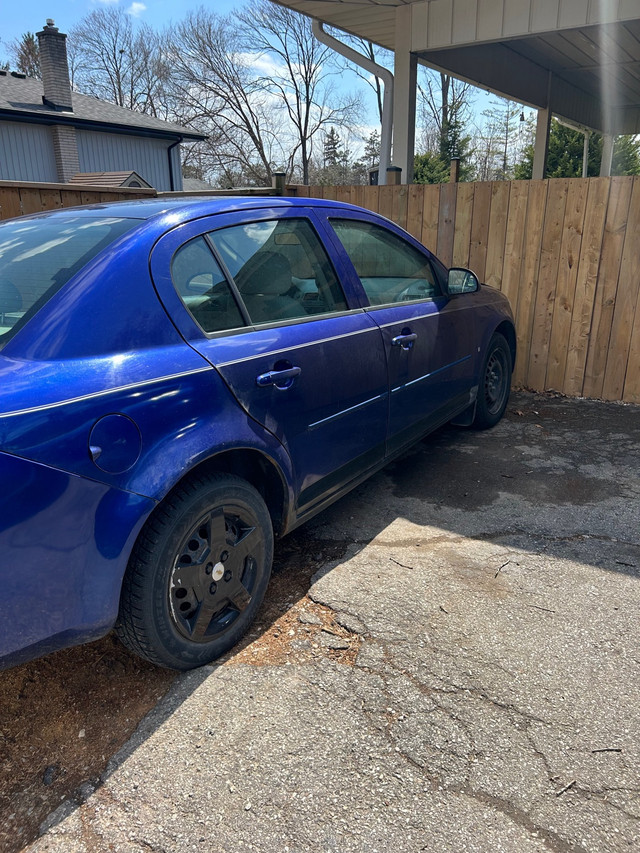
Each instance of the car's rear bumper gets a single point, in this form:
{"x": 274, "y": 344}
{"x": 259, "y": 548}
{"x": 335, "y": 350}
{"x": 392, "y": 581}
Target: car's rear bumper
{"x": 64, "y": 546}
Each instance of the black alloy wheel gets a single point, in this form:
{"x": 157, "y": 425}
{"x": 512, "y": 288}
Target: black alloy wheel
{"x": 198, "y": 573}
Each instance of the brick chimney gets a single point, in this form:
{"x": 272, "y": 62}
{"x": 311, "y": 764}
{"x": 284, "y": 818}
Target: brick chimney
{"x": 54, "y": 68}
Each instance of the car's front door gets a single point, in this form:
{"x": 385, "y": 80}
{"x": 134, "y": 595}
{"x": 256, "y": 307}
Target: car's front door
{"x": 429, "y": 338}
{"x": 300, "y": 356}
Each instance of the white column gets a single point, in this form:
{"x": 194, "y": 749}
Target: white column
{"x": 607, "y": 155}
{"x": 541, "y": 148}
{"x": 404, "y": 100}
{"x": 585, "y": 154}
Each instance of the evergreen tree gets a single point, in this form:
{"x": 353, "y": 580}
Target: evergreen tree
{"x": 566, "y": 147}
{"x": 430, "y": 169}
{"x": 332, "y": 149}
{"x": 25, "y": 53}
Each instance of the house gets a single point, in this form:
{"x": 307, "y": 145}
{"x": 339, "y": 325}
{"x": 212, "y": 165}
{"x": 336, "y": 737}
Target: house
{"x": 49, "y": 133}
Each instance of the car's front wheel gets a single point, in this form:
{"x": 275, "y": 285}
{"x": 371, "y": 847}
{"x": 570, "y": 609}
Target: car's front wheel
{"x": 495, "y": 383}
{"x": 198, "y": 573}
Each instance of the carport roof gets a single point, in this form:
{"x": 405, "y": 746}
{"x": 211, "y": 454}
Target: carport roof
{"x": 579, "y": 58}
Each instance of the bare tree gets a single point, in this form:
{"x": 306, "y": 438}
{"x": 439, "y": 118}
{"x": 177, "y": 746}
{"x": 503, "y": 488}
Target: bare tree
{"x": 446, "y": 104}
{"x": 114, "y": 61}
{"x": 222, "y": 96}
{"x": 301, "y": 77}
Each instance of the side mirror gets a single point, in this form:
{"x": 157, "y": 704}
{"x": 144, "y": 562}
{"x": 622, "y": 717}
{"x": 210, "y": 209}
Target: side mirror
{"x": 462, "y": 280}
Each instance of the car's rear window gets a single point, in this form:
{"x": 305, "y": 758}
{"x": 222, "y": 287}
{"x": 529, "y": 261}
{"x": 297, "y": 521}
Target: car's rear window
{"x": 39, "y": 255}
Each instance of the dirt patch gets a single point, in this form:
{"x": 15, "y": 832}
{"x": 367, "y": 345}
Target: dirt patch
{"x": 62, "y": 717}
{"x": 291, "y": 627}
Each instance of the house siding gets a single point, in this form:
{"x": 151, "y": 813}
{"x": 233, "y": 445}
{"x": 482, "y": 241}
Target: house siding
{"x": 112, "y": 152}
{"x": 26, "y": 152}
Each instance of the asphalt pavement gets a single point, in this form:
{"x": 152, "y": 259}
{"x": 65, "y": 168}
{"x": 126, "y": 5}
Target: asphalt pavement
{"x": 480, "y": 692}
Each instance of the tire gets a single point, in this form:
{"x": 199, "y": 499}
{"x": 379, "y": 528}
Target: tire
{"x": 197, "y": 574}
{"x": 495, "y": 384}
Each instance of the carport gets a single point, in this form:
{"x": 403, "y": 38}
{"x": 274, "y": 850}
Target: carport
{"x": 576, "y": 59}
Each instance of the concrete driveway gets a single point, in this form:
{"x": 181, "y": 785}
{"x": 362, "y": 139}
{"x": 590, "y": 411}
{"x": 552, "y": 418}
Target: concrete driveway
{"x": 465, "y": 677}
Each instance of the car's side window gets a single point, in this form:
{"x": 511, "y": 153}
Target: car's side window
{"x": 203, "y": 288}
{"x": 390, "y": 269}
{"x": 280, "y": 268}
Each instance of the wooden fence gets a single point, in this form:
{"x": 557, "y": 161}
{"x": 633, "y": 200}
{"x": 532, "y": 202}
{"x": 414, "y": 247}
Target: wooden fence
{"x": 19, "y": 199}
{"x": 566, "y": 252}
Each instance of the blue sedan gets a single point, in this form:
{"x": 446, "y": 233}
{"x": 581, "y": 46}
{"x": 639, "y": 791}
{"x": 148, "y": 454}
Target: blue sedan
{"x": 185, "y": 380}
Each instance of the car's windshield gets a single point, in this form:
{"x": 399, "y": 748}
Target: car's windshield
{"x": 39, "y": 255}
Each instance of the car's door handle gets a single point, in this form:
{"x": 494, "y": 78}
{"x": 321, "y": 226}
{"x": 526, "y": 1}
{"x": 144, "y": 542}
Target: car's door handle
{"x": 404, "y": 341}
{"x": 282, "y": 379}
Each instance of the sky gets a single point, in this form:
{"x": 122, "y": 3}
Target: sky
{"x": 31, "y": 15}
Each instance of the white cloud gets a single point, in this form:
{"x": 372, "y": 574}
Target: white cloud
{"x": 262, "y": 63}
{"x": 135, "y": 9}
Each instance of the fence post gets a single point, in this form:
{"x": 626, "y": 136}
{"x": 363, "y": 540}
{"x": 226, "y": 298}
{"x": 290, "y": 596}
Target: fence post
{"x": 278, "y": 180}
{"x": 454, "y": 172}
{"x": 394, "y": 176}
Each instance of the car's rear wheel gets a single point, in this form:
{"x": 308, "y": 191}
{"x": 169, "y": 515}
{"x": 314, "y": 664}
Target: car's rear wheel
{"x": 495, "y": 384}
{"x": 198, "y": 573}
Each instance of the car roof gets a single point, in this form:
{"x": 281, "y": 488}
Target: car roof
{"x": 189, "y": 207}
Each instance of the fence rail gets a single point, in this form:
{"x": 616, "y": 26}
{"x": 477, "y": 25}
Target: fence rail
{"x": 566, "y": 252}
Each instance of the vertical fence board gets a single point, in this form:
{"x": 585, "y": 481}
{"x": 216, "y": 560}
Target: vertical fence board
{"x": 371, "y": 198}
{"x": 359, "y": 196}
{"x": 31, "y": 201}
{"x": 447, "y": 218}
{"x": 9, "y": 203}
{"x": 547, "y": 282}
{"x": 462, "y": 228}
{"x": 536, "y": 205}
{"x": 480, "y": 229}
{"x": 587, "y": 280}
{"x": 70, "y": 198}
{"x": 415, "y": 212}
{"x": 608, "y": 277}
{"x": 400, "y": 205}
{"x": 631, "y": 390}
{"x": 386, "y": 195}
{"x": 570, "y": 249}
{"x": 514, "y": 243}
{"x": 494, "y": 269}
{"x": 626, "y": 300}
{"x": 431, "y": 216}
{"x": 50, "y": 199}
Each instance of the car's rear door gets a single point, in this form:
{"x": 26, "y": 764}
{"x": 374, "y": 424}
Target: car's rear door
{"x": 430, "y": 340}
{"x": 258, "y": 295}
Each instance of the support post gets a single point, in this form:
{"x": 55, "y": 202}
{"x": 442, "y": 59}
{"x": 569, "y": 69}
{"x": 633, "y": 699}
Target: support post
{"x": 404, "y": 102}
{"x": 454, "y": 171}
{"x": 607, "y": 155}
{"x": 585, "y": 155}
{"x": 541, "y": 148}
